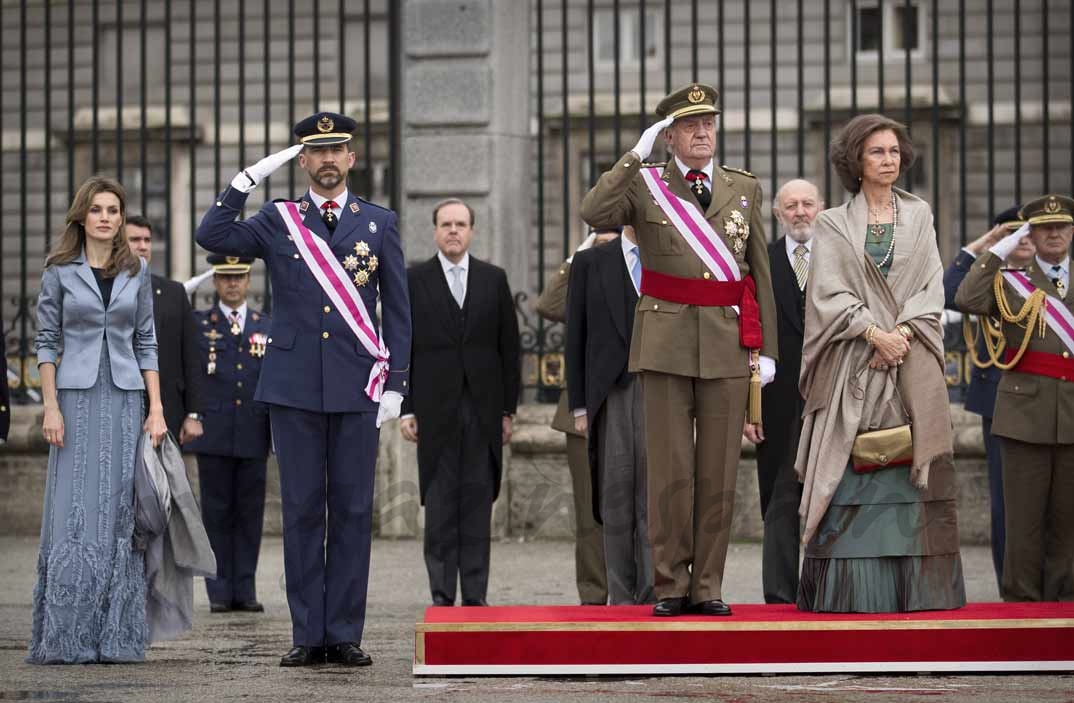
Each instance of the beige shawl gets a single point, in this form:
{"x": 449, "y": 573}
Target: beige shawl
{"x": 846, "y": 294}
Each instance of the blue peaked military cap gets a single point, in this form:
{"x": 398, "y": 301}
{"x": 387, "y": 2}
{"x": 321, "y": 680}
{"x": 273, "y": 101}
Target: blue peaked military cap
{"x": 230, "y": 265}
{"x": 1010, "y": 217}
{"x": 324, "y": 128}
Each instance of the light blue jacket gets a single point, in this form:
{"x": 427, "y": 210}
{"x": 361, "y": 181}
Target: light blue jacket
{"x": 72, "y": 321}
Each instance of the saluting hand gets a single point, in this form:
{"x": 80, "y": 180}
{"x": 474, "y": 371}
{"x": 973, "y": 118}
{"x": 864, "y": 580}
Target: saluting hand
{"x": 644, "y": 147}
{"x": 251, "y": 176}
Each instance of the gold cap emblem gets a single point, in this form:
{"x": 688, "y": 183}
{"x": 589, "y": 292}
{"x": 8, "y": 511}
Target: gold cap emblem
{"x": 696, "y": 95}
{"x": 325, "y": 124}
{"x": 232, "y": 260}
{"x": 1052, "y": 206}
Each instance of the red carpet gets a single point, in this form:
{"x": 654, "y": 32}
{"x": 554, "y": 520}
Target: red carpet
{"x": 991, "y": 637}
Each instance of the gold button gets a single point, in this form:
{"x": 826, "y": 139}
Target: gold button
{"x": 706, "y": 275}
{"x": 270, "y": 340}
{"x": 655, "y": 306}
{"x": 219, "y": 204}
{"x": 324, "y": 335}
{"x": 1066, "y": 355}
{"x": 238, "y": 366}
{"x": 296, "y": 256}
{"x": 327, "y": 308}
{"x": 663, "y": 222}
{"x": 238, "y": 401}
{"x": 239, "y": 384}
{"x": 3, "y": 408}
{"x": 404, "y": 384}
{"x": 1016, "y": 388}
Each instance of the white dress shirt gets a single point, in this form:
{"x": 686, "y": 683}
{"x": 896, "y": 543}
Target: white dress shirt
{"x": 792, "y": 245}
{"x": 227, "y": 314}
{"x": 464, "y": 264}
{"x": 340, "y": 200}
{"x": 1064, "y": 271}
{"x": 630, "y": 255}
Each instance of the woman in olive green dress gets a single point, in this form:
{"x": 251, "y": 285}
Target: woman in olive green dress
{"x": 886, "y": 540}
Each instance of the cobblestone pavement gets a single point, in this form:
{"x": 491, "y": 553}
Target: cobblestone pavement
{"x": 234, "y": 657}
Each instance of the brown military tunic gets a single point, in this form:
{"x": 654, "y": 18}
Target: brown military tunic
{"x": 694, "y": 371}
{"x": 1034, "y": 415}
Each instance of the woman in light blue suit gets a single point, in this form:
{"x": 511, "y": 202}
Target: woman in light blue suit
{"x": 96, "y": 309}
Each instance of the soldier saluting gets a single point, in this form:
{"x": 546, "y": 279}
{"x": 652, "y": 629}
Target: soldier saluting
{"x": 705, "y": 322}
{"x": 1034, "y": 411}
{"x": 331, "y": 374}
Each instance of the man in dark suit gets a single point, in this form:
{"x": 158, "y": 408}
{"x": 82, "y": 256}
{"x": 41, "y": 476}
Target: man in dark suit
{"x": 466, "y": 371}
{"x": 606, "y": 401}
{"x": 332, "y": 372}
{"x": 981, "y": 395}
{"x": 590, "y": 572}
{"x": 177, "y": 342}
{"x": 795, "y": 206}
{"x": 233, "y": 451}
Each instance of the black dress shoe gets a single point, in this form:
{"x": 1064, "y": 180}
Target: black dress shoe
{"x": 711, "y": 607}
{"x": 248, "y": 606}
{"x": 471, "y": 602}
{"x": 670, "y": 607}
{"x": 303, "y": 656}
{"x": 348, "y": 654}
{"x": 219, "y": 608}
{"x": 440, "y": 601}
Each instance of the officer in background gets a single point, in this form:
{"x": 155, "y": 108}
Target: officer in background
{"x": 1034, "y": 411}
{"x": 234, "y": 447}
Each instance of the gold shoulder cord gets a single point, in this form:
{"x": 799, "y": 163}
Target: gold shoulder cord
{"x": 1032, "y": 312}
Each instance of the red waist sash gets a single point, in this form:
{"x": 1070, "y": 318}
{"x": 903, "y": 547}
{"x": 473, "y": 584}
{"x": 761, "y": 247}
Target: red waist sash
{"x": 706, "y": 293}
{"x": 1043, "y": 364}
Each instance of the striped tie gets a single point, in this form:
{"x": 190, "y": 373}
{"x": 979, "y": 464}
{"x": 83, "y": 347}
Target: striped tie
{"x": 800, "y": 266}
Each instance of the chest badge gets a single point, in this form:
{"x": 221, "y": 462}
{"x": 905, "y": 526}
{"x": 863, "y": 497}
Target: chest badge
{"x": 737, "y": 230}
{"x": 362, "y": 263}
{"x": 373, "y": 227}
{"x": 743, "y": 202}
{"x": 355, "y": 208}
{"x": 258, "y": 343}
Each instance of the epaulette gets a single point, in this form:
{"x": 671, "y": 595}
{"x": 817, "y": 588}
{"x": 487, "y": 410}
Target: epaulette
{"x": 372, "y": 204}
{"x": 725, "y": 167}
{"x": 657, "y": 164}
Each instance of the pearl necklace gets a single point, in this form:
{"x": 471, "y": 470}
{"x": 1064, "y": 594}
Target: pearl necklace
{"x": 878, "y": 231}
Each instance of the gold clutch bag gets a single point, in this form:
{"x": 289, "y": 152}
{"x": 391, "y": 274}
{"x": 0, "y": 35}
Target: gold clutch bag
{"x": 880, "y": 449}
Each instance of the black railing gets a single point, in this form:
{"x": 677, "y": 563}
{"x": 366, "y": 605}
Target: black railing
{"x": 173, "y": 97}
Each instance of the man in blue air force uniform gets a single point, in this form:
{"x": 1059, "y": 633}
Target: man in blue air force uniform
{"x": 234, "y": 446}
{"x": 315, "y": 373}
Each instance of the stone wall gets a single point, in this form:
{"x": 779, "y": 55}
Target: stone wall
{"x": 535, "y": 501}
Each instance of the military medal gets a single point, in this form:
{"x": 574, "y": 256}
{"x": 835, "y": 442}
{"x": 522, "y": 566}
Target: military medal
{"x": 235, "y": 328}
{"x": 258, "y": 341}
{"x": 362, "y": 248}
{"x": 738, "y": 230}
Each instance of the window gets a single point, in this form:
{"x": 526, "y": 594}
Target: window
{"x": 895, "y": 25}
{"x": 630, "y": 39}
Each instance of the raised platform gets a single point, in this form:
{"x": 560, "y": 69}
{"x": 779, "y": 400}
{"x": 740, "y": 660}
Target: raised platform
{"x": 757, "y": 639}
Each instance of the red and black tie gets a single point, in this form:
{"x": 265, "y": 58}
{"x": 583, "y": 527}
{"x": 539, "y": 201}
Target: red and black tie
{"x": 330, "y": 219}
{"x": 697, "y": 185}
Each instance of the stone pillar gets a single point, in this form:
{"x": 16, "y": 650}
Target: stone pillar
{"x": 465, "y": 125}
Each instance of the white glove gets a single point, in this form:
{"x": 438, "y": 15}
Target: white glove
{"x": 250, "y": 177}
{"x": 390, "y": 404}
{"x": 644, "y": 147}
{"x": 768, "y": 370}
{"x": 1005, "y": 246}
{"x": 192, "y": 285}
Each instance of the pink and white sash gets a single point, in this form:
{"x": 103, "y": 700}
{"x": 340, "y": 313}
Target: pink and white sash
{"x": 334, "y": 281}
{"x": 1056, "y": 314}
{"x": 694, "y": 228}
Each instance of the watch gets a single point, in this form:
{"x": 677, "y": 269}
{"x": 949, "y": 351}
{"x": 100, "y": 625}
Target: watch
{"x": 198, "y": 417}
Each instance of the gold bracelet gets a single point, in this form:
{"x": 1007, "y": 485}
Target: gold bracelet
{"x": 870, "y": 333}
{"x": 906, "y": 332}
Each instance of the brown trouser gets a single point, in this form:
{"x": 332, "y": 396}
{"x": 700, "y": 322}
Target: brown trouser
{"x": 692, "y": 478}
{"x": 589, "y": 570}
{"x": 1038, "y": 499}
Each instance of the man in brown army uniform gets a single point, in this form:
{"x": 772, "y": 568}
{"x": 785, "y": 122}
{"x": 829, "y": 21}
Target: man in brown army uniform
{"x": 1034, "y": 411}
{"x": 696, "y": 324}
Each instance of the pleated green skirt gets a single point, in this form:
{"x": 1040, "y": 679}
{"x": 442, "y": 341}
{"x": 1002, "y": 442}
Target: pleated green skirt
{"x": 885, "y": 546}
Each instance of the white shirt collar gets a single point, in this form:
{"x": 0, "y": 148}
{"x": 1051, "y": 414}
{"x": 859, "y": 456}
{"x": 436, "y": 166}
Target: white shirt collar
{"x": 1064, "y": 270}
{"x": 791, "y": 244}
{"x": 684, "y": 169}
{"x": 227, "y": 313}
{"x": 340, "y": 200}
{"x": 446, "y": 264}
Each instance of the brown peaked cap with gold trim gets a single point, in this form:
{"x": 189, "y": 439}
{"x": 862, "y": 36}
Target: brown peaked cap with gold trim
{"x": 694, "y": 99}
{"x": 1049, "y": 209}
